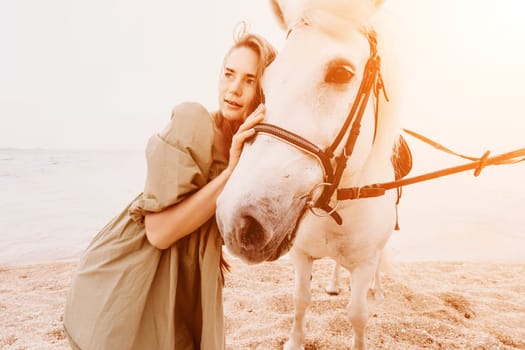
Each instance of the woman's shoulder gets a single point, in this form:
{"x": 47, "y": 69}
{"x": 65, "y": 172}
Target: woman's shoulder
{"x": 188, "y": 120}
{"x": 191, "y": 112}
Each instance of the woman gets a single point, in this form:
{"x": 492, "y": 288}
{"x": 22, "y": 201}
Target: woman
{"x": 151, "y": 279}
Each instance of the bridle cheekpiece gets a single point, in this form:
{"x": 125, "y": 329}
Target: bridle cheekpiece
{"x": 372, "y": 82}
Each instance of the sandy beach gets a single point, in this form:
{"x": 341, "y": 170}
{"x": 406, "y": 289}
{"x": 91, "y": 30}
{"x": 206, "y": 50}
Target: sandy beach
{"x": 427, "y": 305}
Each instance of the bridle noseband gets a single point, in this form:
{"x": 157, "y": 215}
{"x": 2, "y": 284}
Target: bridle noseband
{"x": 372, "y": 82}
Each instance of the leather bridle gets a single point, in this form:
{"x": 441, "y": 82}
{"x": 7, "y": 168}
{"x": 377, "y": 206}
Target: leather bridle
{"x": 372, "y": 82}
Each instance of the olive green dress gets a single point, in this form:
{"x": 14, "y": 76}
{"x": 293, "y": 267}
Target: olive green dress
{"x": 127, "y": 294}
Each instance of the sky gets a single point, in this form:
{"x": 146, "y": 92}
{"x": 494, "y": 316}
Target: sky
{"x": 105, "y": 74}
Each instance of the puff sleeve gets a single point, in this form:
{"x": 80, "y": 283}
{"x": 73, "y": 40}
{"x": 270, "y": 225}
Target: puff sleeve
{"x": 178, "y": 160}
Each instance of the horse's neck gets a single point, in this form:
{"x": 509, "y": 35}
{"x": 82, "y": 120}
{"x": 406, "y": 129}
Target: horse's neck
{"x": 374, "y": 168}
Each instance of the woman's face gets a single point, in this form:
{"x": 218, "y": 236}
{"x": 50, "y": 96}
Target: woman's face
{"x": 238, "y": 82}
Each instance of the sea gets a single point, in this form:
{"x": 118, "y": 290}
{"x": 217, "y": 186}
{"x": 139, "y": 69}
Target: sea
{"x": 53, "y": 202}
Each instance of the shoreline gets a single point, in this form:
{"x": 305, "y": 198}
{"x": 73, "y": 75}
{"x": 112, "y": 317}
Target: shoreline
{"x": 427, "y": 305}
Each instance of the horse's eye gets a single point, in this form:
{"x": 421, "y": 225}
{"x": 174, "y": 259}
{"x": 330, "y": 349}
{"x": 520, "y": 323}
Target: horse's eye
{"x": 339, "y": 73}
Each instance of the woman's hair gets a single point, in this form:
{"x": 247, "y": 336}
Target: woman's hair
{"x": 266, "y": 54}
{"x": 264, "y": 50}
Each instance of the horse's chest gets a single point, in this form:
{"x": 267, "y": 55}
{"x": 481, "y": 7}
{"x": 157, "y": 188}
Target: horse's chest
{"x": 335, "y": 244}
{"x": 366, "y": 227}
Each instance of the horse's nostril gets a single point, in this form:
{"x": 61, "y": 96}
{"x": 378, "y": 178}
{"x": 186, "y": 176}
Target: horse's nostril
{"x": 252, "y": 233}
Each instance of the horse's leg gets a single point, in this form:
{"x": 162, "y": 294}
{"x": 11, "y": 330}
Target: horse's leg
{"x": 302, "y": 298}
{"x": 378, "y": 286}
{"x": 361, "y": 277}
{"x": 333, "y": 287}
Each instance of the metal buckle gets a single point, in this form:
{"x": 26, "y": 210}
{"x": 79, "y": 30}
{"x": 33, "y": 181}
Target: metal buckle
{"x": 310, "y": 203}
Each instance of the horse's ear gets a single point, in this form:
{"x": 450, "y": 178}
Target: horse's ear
{"x": 278, "y": 13}
{"x": 287, "y": 12}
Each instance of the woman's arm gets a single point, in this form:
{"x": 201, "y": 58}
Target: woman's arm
{"x": 169, "y": 225}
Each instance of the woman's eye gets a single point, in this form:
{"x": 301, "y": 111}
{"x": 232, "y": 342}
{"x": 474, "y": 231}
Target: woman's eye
{"x": 250, "y": 82}
{"x": 339, "y": 74}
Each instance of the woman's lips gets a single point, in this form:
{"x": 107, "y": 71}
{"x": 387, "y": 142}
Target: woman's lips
{"x": 232, "y": 104}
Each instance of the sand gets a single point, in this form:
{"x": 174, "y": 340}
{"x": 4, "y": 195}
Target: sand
{"x": 427, "y": 305}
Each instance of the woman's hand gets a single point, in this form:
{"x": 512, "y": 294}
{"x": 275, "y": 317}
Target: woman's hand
{"x": 245, "y": 131}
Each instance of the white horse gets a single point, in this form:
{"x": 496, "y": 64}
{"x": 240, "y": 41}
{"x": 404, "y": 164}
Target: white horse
{"x": 315, "y": 83}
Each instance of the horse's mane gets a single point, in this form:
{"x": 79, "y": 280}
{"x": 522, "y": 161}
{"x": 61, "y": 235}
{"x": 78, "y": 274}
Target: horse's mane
{"x": 388, "y": 129}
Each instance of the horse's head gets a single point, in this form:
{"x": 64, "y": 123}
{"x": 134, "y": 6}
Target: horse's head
{"x": 310, "y": 90}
